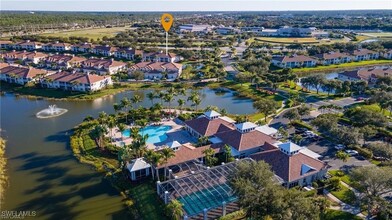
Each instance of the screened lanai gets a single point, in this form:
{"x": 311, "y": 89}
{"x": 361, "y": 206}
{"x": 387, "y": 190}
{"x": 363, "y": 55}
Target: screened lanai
{"x": 202, "y": 191}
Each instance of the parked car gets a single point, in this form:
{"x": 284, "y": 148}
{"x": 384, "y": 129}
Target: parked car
{"x": 352, "y": 152}
{"x": 359, "y": 99}
{"x": 340, "y": 147}
{"x": 310, "y": 134}
{"x": 300, "y": 130}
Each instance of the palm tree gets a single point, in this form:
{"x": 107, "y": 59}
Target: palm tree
{"x": 121, "y": 128}
{"x": 116, "y": 107}
{"x": 139, "y": 145}
{"x": 342, "y": 156}
{"x": 125, "y": 103}
{"x": 134, "y": 132}
{"x": 196, "y": 102}
{"x": 174, "y": 209}
{"x": 181, "y": 103}
{"x": 151, "y": 97}
{"x": 97, "y": 134}
{"x": 167, "y": 153}
{"x": 111, "y": 123}
{"x": 209, "y": 153}
{"x": 169, "y": 98}
{"x": 102, "y": 118}
{"x": 161, "y": 95}
{"x": 202, "y": 141}
{"x": 136, "y": 99}
{"x": 149, "y": 156}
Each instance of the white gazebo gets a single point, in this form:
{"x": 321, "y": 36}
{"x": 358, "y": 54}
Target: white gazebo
{"x": 138, "y": 168}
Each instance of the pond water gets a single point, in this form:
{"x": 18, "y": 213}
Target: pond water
{"x": 43, "y": 174}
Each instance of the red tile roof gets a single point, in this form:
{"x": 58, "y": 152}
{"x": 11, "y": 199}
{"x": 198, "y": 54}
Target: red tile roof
{"x": 244, "y": 141}
{"x": 22, "y": 72}
{"x": 95, "y": 62}
{"x": 206, "y": 127}
{"x": 60, "y": 58}
{"x": 188, "y": 153}
{"x": 23, "y": 55}
{"x": 289, "y": 167}
{"x": 157, "y": 66}
{"x": 294, "y": 58}
{"x": 331, "y": 55}
{"x": 366, "y": 74}
{"x": 79, "y": 77}
{"x": 362, "y": 52}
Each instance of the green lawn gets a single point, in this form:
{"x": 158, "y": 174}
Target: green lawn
{"x": 90, "y": 33}
{"x": 148, "y": 203}
{"x": 345, "y": 195}
{"x": 373, "y": 107}
{"x": 378, "y": 34}
{"x": 337, "y": 67}
{"x": 60, "y": 94}
{"x": 339, "y": 215}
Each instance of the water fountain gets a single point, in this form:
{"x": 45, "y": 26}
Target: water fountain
{"x": 51, "y": 111}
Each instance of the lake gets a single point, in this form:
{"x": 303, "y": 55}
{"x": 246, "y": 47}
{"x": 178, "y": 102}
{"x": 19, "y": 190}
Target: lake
{"x": 43, "y": 174}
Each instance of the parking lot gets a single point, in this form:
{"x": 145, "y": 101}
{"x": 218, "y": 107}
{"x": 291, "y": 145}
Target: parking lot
{"x": 327, "y": 151}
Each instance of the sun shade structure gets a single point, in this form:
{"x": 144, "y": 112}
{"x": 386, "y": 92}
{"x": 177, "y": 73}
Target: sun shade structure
{"x": 203, "y": 190}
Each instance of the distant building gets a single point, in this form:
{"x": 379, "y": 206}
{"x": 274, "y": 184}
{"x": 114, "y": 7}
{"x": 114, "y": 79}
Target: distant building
{"x": 387, "y": 54}
{"x": 365, "y": 74}
{"x": 199, "y": 28}
{"x": 252, "y": 29}
{"x": 57, "y": 46}
{"x": 333, "y": 58}
{"x": 364, "y": 54}
{"x": 158, "y": 70}
{"x": 76, "y": 81}
{"x": 62, "y": 61}
{"x": 161, "y": 57}
{"x": 292, "y": 163}
{"x": 129, "y": 53}
{"x": 226, "y": 30}
{"x": 287, "y": 31}
{"x": 82, "y": 48}
{"x": 102, "y": 66}
{"x": 293, "y": 61}
{"x": 24, "y": 57}
{"x": 27, "y": 45}
{"x": 20, "y": 75}
{"x": 6, "y": 45}
{"x": 104, "y": 50}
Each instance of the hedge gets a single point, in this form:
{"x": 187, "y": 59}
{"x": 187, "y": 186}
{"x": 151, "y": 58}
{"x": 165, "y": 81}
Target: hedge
{"x": 301, "y": 124}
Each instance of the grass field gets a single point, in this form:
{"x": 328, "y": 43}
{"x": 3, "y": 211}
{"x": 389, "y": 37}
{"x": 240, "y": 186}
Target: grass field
{"x": 338, "y": 215}
{"x": 378, "y": 35}
{"x": 90, "y": 33}
{"x": 337, "y": 67}
{"x": 287, "y": 40}
{"x": 345, "y": 195}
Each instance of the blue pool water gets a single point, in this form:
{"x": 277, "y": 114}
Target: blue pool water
{"x": 156, "y": 134}
{"x": 209, "y": 198}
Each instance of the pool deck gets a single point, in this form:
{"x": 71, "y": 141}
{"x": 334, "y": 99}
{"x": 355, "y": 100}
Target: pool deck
{"x": 176, "y": 133}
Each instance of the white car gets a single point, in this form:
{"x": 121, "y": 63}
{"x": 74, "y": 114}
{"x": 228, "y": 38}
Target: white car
{"x": 310, "y": 134}
{"x": 339, "y": 147}
{"x": 352, "y": 152}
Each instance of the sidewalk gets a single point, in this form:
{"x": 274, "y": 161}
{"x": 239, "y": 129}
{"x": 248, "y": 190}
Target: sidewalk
{"x": 343, "y": 206}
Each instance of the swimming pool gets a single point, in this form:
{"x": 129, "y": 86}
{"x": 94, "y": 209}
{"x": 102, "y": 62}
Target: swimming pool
{"x": 156, "y": 134}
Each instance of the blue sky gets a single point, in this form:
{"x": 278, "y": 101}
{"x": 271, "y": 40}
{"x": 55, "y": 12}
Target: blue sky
{"x": 192, "y": 5}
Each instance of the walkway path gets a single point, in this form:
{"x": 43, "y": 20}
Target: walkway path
{"x": 355, "y": 210}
